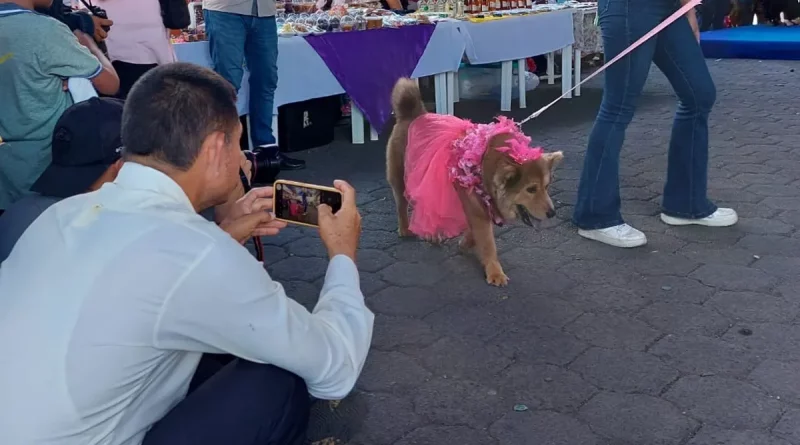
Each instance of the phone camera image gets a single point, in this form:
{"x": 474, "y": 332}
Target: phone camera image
{"x": 299, "y": 204}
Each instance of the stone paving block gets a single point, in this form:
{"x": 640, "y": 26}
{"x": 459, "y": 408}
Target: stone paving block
{"x": 709, "y": 435}
{"x": 769, "y": 245}
{"x": 725, "y": 402}
{"x": 378, "y": 239}
{"x": 672, "y": 289}
{"x": 613, "y": 331}
{"x": 370, "y": 283}
{"x": 755, "y": 307}
{"x": 636, "y": 419}
{"x": 605, "y": 298}
{"x": 694, "y": 354}
{"x": 307, "y": 246}
{"x": 764, "y": 226}
{"x": 371, "y": 260}
{"x": 461, "y": 435}
{"x": 448, "y": 401}
{"x": 597, "y": 272}
{"x": 525, "y": 279}
{"x": 463, "y": 357}
{"x": 545, "y": 387}
{"x": 298, "y": 269}
{"x": 733, "y": 277}
{"x": 388, "y": 418}
{"x": 779, "y": 266}
{"x": 664, "y": 263}
{"x": 767, "y": 339}
{"x": 624, "y": 371}
{"x": 540, "y": 345}
{"x": 392, "y": 333}
{"x": 406, "y": 301}
{"x": 779, "y": 379}
{"x": 680, "y": 318}
{"x": 548, "y": 258}
{"x": 418, "y": 251}
{"x": 531, "y": 310}
{"x": 304, "y": 293}
{"x": 789, "y": 426}
{"x": 541, "y": 427}
{"x": 481, "y": 321}
{"x": 391, "y": 372}
{"x": 412, "y": 274}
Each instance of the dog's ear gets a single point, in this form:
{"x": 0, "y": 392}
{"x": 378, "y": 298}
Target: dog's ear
{"x": 507, "y": 173}
{"x": 553, "y": 159}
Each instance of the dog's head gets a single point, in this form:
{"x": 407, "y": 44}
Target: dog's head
{"x": 520, "y": 191}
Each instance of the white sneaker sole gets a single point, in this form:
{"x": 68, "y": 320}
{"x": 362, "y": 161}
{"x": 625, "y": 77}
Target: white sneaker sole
{"x": 615, "y": 242}
{"x": 716, "y": 222}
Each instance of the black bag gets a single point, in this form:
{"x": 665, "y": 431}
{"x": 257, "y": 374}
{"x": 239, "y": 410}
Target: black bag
{"x": 175, "y": 14}
{"x": 308, "y": 124}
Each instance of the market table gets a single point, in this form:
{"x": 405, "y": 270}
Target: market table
{"x": 304, "y": 75}
{"x": 588, "y": 39}
{"x": 515, "y": 39}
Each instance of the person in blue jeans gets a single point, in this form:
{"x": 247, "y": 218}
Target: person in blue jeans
{"x": 677, "y": 53}
{"x": 244, "y": 32}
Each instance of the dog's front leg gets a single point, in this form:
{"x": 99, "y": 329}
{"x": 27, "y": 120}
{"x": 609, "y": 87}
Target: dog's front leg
{"x": 482, "y": 234}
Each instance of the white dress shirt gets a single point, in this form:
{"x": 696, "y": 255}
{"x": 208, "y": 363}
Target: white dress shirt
{"x": 109, "y": 299}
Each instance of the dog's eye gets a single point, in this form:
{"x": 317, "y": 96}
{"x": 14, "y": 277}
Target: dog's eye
{"x": 532, "y": 189}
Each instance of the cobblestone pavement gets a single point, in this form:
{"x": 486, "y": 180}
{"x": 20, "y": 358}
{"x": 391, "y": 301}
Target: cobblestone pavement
{"x": 691, "y": 340}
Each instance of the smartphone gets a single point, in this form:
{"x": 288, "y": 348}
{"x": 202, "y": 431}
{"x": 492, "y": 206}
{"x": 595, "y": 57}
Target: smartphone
{"x": 297, "y": 202}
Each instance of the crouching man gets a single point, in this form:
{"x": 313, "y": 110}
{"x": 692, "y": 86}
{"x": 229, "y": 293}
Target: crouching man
{"x": 111, "y": 299}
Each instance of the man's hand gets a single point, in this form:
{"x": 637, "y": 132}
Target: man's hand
{"x": 340, "y": 232}
{"x": 259, "y": 223}
{"x": 100, "y": 34}
{"x": 250, "y": 216}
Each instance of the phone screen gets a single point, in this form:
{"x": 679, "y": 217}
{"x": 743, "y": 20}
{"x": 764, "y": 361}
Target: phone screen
{"x": 296, "y": 203}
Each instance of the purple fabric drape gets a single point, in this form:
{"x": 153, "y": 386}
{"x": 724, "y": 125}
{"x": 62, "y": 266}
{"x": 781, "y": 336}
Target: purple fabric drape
{"x": 368, "y": 63}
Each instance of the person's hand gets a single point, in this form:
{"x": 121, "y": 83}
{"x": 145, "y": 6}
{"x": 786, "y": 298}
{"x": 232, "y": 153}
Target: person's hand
{"x": 251, "y": 216}
{"x": 100, "y": 34}
{"x": 261, "y": 223}
{"x": 84, "y": 39}
{"x": 340, "y": 231}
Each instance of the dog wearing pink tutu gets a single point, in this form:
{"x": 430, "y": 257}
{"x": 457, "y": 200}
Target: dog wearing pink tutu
{"x": 460, "y": 178}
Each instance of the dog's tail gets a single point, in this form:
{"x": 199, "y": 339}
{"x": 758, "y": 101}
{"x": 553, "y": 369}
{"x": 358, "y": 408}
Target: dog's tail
{"x": 407, "y": 100}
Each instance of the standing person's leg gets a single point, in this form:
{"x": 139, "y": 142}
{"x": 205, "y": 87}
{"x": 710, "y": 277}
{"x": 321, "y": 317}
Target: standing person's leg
{"x": 128, "y": 74}
{"x": 244, "y": 404}
{"x": 685, "y": 200}
{"x": 597, "y": 210}
{"x": 261, "y": 52}
{"x": 226, "y": 39}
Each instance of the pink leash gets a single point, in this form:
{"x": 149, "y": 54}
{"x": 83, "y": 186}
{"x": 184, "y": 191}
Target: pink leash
{"x": 668, "y": 21}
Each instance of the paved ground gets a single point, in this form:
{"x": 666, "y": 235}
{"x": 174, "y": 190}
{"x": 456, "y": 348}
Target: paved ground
{"x": 692, "y": 340}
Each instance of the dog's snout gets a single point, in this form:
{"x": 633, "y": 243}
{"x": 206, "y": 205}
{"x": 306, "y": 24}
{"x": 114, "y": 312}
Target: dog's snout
{"x": 551, "y": 213}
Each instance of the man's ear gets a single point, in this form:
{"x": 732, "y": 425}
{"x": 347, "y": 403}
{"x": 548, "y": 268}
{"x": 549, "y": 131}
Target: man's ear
{"x": 553, "y": 159}
{"x": 214, "y": 148}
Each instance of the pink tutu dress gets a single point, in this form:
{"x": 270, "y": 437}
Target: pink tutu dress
{"x": 443, "y": 152}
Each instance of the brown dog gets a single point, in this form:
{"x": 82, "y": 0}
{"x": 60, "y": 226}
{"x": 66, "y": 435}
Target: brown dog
{"x": 517, "y": 191}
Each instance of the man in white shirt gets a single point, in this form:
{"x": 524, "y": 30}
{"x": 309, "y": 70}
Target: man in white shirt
{"x": 245, "y": 32}
{"x": 111, "y": 298}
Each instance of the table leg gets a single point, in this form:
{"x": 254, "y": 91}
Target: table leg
{"x": 566, "y": 71}
{"x": 373, "y": 135}
{"x": 551, "y": 68}
{"x": 356, "y": 124}
{"x": 456, "y": 94}
{"x": 521, "y": 71}
{"x": 440, "y": 91}
{"x": 506, "y": 84}
{"x": 451, "y": 91}
{"x": 577, "y": 62}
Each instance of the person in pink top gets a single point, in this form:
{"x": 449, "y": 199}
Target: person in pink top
{"x": 138, "y": 41}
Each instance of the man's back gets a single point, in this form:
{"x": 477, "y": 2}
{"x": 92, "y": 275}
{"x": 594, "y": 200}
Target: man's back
{"x": 36, "y": 53}
{"x": 17, "y": 218}
{"x": 88, "y": 366}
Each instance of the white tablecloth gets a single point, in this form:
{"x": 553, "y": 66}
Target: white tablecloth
{"x": 302, "y": 75}
{"x": 518, "y": 37}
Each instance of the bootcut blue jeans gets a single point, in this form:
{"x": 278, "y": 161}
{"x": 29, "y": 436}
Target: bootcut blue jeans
{"x": 234, "y": 40}
{"x": 677, "y": 54}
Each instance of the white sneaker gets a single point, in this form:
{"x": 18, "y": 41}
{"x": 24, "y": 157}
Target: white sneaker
{"x": 622, "y": 235}
{"x": 720, "y": 218}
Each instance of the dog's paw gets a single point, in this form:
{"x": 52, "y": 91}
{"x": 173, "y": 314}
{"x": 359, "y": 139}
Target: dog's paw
{"x": 498, "y": 279}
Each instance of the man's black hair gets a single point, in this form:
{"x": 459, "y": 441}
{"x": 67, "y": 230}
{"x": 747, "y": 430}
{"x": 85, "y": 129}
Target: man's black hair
{"x": 172, "y": 109}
